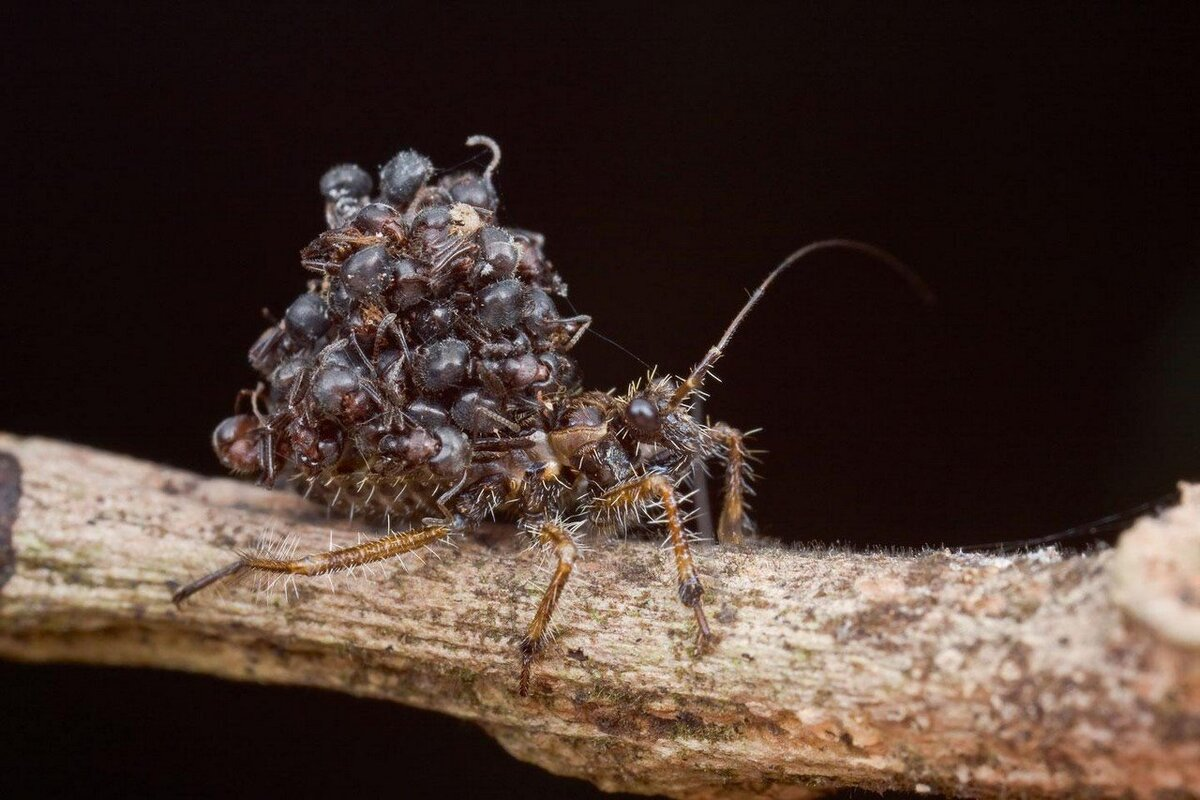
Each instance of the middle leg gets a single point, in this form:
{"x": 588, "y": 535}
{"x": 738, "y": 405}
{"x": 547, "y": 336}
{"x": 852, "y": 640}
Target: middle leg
{"x": 656, "y": 487}
{"x": 732, "y": 526}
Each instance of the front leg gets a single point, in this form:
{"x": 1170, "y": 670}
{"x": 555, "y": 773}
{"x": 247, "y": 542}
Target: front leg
{"x": 343, "y": 558}
{"x": 634, "y": 496}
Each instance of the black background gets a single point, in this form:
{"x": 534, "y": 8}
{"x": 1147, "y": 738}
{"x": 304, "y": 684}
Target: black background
{"x": 1037, "y": 165}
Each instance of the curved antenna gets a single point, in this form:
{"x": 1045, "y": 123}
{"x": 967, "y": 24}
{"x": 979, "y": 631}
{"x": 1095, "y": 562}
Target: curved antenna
{"x": 592, "y": 330}
{"x": 701, "y": 370}
{"x": 1113, "y": 523}
{"x": 478, "y": 140}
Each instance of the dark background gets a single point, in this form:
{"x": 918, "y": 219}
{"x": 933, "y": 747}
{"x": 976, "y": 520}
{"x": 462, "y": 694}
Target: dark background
{"x": 1037, "y": 165}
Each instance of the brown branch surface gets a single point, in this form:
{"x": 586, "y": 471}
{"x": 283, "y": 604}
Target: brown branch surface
{"x": 972, "y": 675}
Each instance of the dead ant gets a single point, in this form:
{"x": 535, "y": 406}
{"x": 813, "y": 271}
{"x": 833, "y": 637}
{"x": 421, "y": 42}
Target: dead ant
{"x": 425, "y": 375}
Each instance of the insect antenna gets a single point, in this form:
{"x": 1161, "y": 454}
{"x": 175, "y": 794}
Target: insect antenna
{"x": 1099, "y": 529}
{"x": 591, "y": 329}
{"x": 486, "y": 141}
{"x": 700, "y": 372}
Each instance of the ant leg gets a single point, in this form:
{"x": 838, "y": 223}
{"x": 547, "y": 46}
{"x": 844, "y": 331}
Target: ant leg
{"x": 732, "y": 526}
{"x": 656, "y": 487}
{"x": 585, "y": 322}
{"x": 367, "y": 552}
{"x": 549, "y": 534}
{"x": 266, "y": 432}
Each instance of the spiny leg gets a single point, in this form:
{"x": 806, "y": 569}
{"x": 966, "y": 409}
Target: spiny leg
{"x": 656, "y": 487}
{"x": 553, "y": 535}
{"x": 731, "y": 527}
{"x": 367, "y": 552}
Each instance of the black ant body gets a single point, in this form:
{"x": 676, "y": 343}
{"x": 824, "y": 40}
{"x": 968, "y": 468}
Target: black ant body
{"x": 425, "y": 376}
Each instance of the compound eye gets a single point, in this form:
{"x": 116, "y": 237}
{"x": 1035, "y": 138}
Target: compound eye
{"x": 642, "y": 415}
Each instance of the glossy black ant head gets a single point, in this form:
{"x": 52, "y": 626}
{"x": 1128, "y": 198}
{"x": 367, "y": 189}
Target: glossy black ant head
{"x": 339, "y": 393}
{"x": 346, "y": 188}
{"x": 314, "y": 445}
{"x": 236, "y": 443}
{"x": 474, "y": 189}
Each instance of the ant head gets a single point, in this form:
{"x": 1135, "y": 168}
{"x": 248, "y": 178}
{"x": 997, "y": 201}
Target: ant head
{"x": 236, "y": 443}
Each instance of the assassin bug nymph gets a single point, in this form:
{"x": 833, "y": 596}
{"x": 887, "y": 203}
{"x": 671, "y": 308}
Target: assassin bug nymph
{"x": 424, "y": 376}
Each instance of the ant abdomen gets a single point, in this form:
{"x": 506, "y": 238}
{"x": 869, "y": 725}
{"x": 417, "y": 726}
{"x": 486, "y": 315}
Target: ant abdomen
{"x": 368, "y": 273}
{"x": 376, "y": 218}
{"x": 402, "y": 176}
{"x": 307, "y": 318}
{"x": 338, "y": 393}
{"x": 426, "y": 414}
{"x": 499, "y": 306}
{"x": 473, "y": 190}
{"x": 410, "y": 449}
{"x": 443, "y": 365}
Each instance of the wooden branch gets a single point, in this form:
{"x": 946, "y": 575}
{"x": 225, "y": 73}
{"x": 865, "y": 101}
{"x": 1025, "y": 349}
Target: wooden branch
{"x": 973, "y": 675}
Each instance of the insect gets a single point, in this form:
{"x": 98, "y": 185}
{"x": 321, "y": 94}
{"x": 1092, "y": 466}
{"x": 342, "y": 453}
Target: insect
{"x": 425, "y": 377}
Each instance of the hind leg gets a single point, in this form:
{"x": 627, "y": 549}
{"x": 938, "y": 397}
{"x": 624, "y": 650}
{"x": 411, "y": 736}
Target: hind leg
{"x": 635, "y": 496}
{"x": 343, "y": 558}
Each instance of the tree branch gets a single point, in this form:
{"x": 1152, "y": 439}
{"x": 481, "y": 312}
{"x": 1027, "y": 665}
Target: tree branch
{"x": 974, "y": 675}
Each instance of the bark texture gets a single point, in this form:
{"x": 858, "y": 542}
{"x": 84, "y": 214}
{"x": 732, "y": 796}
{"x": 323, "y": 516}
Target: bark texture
{"x": 972, "y": 675}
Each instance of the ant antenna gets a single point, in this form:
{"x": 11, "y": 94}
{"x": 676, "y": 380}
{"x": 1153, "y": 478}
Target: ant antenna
{"x": 700, "y": 372}
{"x": 479, "y": 140}
{"x": 592, "y": 330}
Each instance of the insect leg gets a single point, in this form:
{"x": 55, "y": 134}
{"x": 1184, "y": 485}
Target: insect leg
{"x": 321, "y": 563}
{"x": 732, "y": 525}
{"x": 657, "y": 487}
{"x": 553, "y": 535}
